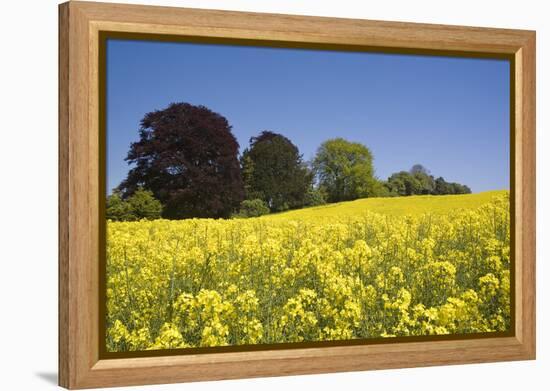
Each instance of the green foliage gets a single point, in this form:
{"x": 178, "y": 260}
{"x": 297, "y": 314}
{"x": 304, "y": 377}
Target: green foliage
{"x": 253, "y": 208}
{"x": 144, "y": 205}
{"x": 315, "y": 196}
{"x": 418, "y": 181}
{"x": 273, "y": 171}
{"x": 187, "y": 157}
{"x": 345, "y": 170}
{"x": 460, "y": 189}
{"x": 442, "y": 187}
{"x": 404, "y": 183}
{"x": 425, "y": 182}
{"x": 141, "y": 205}
{"x": 379, "y": 189}
{"x": 117, "y": 209}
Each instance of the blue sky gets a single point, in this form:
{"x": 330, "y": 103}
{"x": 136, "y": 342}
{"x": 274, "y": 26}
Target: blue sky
{"x": 449, "y": 114}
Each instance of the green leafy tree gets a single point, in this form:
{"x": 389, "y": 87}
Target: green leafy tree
{"x": 379, "y": 189}
{"x": 141, "y": 205}
{"x": 253, "y": 208}
{"x": 426, "y": 182}
{"x": 457, "y": 188}
{"x": 144, "y": 205}
{"x": 274, "y": 172}
{"x": 442, "y": 187}
{"x": 403, "y": 183}
{"x": 345, "y": 170}
{"x": 315, "y": 196}
{"x": 117, "y": 209}
{"x": 418, "y": 180}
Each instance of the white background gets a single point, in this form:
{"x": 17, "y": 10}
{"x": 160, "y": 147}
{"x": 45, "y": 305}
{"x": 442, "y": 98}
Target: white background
{"x": 28, "y": 194}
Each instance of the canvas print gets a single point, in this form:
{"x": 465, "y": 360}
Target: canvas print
{"x": 258, "y": 196}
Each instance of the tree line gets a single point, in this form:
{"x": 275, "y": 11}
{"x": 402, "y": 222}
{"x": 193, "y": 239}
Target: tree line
{"x": 187, "y": 164}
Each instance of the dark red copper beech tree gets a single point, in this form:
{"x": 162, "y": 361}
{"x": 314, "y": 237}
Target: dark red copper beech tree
{"x": 188, "y": 157}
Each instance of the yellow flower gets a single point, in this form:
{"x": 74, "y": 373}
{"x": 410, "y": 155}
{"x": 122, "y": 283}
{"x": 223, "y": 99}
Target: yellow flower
{"x": 277, "y": 279}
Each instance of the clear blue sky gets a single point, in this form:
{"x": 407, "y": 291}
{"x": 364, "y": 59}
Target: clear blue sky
{"x": 449, "y": 114}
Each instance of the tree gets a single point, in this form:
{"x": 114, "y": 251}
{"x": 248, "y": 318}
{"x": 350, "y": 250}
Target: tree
{"x": 426, "y": 183}
{"x": 403, "y": 183}
{"x": 442, "y": 187}
{"x": 253, "y": 208}
{"x": 380, "y": 189}
{"x": 117, "y": 209}
{"x": 315, "y": 197}
{"x": 419, "y": 181}
{"x": 140, "y": 205}
{"x": 344, "y": 169}
{"x": 419, "y": 169}
{"x": 187, "y": 156}
{"x": 144, "y": 205}
{"x": 274, "y": 172}
{"x": 457, "y": 188}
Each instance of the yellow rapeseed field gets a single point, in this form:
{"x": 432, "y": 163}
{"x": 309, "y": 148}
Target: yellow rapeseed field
{"x": 369, "y": 268}
{"x": 397, "y": 206}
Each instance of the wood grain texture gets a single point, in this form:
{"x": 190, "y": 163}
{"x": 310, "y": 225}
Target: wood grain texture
{"x": 527, "y": 189}
{"x": 63, "y": 220}
{"x": 80, "y": 24}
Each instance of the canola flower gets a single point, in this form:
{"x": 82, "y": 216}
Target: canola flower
{"x": 205, "y": 282}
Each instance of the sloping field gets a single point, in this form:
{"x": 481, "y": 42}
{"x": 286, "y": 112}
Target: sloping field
{"x": 394, "y": 206}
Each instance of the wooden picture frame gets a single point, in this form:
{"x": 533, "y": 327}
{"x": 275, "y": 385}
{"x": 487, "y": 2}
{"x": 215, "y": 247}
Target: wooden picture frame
{"x": 80, "y": 26}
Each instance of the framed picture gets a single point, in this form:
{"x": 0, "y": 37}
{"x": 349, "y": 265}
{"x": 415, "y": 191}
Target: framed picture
{"x": 247, "y": 195}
